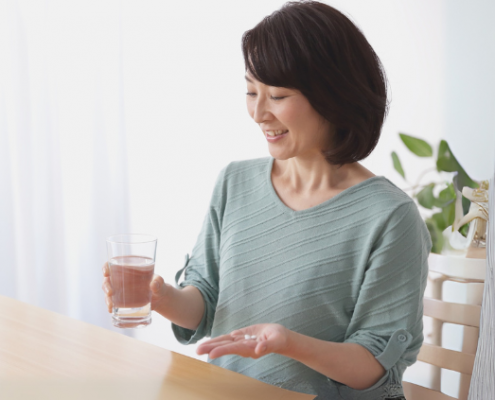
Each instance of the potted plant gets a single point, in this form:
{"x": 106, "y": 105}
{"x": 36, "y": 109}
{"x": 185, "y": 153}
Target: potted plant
{"x": 459, "y": 203}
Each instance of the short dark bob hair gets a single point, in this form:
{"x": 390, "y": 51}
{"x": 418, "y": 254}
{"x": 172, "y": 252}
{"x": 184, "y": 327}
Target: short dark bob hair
{"x": 314, "y": 48}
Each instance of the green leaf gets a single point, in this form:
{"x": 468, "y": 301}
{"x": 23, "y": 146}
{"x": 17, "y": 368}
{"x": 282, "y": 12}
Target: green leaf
{"x": 446, "y": 160}
{"x": 417, "y": 146}
{"x": 436, "y": 236}
{"x": 464, "y": 230}
{"x": 439, "y": 220}
{"x": 425, "y": 196}
{"x": 466, "y": 203}
{"x": 448, "y": 213}
{"x": 444, "y": 218}
{"x": 448, "y": 163}
{"x": 446, "y": 196}
{"x": 397, "y": 164}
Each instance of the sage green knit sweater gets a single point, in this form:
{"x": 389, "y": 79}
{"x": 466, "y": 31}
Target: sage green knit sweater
{"x": 351, "y": 269}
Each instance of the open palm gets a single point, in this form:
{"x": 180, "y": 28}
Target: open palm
{"x": 270, "y": 338}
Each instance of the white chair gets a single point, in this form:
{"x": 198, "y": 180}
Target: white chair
{"x": 463, "y": 270}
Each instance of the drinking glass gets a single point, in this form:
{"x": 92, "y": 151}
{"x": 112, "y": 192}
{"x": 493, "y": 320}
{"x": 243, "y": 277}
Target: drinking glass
{"x": 131, "y": 260}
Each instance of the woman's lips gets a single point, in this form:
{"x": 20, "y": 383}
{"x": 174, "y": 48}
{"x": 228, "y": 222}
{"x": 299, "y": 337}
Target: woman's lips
{"x": 272, "y": 139}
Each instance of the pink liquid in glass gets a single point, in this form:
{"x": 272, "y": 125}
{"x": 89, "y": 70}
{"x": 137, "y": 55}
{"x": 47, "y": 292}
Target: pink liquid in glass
{"x": 130, "y": 277}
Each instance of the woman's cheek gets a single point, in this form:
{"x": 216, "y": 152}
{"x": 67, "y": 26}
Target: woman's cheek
{"x": 250, "y": 108}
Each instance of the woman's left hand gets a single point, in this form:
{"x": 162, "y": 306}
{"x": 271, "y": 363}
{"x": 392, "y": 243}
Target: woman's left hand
{"x": 270, "y": 338}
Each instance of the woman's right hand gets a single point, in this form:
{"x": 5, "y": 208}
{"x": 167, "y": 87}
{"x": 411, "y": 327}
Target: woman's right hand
{"x": 184, "y": 307}
{"x": 159, "y": 289}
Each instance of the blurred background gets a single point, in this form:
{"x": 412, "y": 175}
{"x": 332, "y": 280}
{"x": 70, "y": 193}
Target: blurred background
{"x": 117, "y": 116}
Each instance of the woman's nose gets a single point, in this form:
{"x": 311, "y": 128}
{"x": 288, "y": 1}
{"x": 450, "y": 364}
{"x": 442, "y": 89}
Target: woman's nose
{"x": 259, "y": 111}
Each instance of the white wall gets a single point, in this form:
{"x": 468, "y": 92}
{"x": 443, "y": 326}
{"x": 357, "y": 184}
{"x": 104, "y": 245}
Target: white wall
{"x": 470, "y": 88}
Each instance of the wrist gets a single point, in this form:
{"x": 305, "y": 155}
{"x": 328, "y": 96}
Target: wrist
{"x": 304, "y": 348}
{"x": 289, "y": 346}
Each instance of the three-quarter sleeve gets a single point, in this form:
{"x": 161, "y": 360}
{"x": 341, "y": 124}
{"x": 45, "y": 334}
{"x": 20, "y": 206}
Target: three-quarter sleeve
{"x": 201, "y": 269}
{"x": 388, "y": 314}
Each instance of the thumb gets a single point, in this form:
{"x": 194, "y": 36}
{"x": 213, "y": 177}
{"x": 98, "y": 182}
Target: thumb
{"x": 157, "y": 284}
{"x": 262, "y": 348}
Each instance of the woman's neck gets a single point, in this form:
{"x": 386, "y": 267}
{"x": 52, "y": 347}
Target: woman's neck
{"x": 308, "y": 175}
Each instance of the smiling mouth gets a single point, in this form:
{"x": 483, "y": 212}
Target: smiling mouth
{"x": 276, "y": 132}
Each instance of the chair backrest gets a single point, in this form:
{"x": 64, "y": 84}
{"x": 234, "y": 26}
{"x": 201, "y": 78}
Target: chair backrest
{"x": 458, "y": 269}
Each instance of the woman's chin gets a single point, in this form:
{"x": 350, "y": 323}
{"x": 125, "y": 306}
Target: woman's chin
{"x": 278, "y": 154}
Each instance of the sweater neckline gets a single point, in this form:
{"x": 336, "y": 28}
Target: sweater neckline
{"x": 336, "y": 198}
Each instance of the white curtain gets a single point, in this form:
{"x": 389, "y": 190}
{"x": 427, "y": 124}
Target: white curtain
{"x": 63, "y": 177}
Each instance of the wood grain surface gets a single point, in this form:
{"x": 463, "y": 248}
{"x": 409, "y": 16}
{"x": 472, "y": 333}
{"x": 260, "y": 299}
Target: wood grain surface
{"x": 45, "y": 355}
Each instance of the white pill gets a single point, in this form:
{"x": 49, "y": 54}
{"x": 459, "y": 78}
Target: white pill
{"x": 253, "y": 337}
{"x": 247, "y": 337}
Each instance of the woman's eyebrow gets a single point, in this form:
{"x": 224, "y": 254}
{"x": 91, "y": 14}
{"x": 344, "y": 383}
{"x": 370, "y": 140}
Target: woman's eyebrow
{"x": 249, "y": 80}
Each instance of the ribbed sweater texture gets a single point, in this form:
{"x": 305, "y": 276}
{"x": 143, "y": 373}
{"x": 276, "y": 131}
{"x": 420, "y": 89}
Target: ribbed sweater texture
{"x": 351, "y": 269}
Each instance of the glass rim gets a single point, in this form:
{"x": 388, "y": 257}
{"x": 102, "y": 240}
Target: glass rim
{"x": 115, "y": 238}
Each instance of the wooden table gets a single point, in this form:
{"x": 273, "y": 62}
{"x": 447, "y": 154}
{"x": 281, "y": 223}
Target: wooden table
{"x": 45, "y": 355}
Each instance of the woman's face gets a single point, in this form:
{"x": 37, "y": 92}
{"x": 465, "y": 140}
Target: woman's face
{"x": 277, "y": 109}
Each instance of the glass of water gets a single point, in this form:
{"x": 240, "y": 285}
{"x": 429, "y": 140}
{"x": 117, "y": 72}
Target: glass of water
{"x": 131, "y": 260}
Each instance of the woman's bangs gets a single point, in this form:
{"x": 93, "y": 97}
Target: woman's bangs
{"x": 263, "y": 57}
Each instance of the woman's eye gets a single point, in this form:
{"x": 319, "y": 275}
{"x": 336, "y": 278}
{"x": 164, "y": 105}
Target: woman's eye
{"x": 272, "y": 97}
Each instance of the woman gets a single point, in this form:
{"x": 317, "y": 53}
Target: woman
{"x": 309, "y": 270}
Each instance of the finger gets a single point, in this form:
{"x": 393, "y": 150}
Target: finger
{"x": 157, "y": 283}
{"x": 261, "y": 348}
{"x": 107, "y": 280}
{"x": 205, "y": 348}
{"x": 220, "y": 339}
{"x": 209, "y": 345}
{"x": 243, "y": 348}
{"x": 106, "y": 270}
{"x": 109, "y": 302}
{"x": 107, "y": 288}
